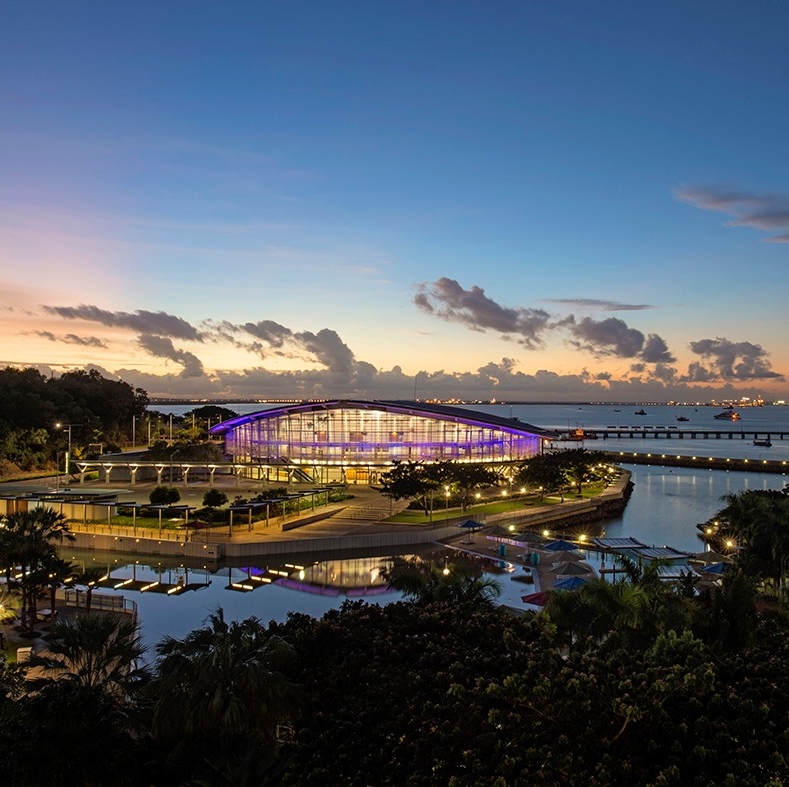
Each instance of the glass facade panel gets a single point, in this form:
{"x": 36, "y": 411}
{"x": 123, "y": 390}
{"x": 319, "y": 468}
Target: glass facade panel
{"x": 371, "y": 436}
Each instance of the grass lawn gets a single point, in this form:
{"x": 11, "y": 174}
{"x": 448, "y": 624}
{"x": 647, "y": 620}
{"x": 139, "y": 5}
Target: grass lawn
{"x": 493, "y": 506}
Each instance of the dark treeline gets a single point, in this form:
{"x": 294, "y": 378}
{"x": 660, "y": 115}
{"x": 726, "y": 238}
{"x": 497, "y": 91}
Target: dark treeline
{"x": 100, "y": 412}
{"x": 635, "y": 683}
{"x": 40, "y": 417}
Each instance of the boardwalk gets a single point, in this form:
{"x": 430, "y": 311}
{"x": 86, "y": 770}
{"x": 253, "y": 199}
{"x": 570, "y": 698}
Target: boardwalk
{"x": 671, "y": 433}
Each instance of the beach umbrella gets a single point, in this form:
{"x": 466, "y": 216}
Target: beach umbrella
{"x": 560, "y": 546}
{"x": 567, "y": 557}
{"x": 538, "y": 599}
{"x": 570, "y": 583}
{"x": 708, "y": 557}
{"x": 571, "y": 570}
{"x": 470, "y": 524}
{"x": 715, "y": 568}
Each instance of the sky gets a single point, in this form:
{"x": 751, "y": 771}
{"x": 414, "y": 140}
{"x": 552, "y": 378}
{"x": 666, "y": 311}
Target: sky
{"x": 499, "y": 199}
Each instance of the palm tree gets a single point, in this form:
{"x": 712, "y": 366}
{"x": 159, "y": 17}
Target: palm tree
{"x": 220, "y": 683}
{"x": 9, "y": 605}
{"x": 89, "y": 579}
{"x": 28, "y": 543}
{"x": 636, "y": 608}
{"x": 96, "y": 651}
{"x": 80, "y": 716}
{"x": 58, "y": 571}
{"x": 757, "y": 523}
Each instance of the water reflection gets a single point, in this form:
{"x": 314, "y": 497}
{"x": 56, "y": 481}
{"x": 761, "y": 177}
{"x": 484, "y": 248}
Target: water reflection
{"x": 666, "y": 506}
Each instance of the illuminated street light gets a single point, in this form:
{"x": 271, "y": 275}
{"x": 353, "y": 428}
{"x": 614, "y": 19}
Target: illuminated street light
{"x": 67, "y": 427}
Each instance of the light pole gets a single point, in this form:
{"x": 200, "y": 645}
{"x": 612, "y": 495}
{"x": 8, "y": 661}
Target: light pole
{"x": 67, "y": 427}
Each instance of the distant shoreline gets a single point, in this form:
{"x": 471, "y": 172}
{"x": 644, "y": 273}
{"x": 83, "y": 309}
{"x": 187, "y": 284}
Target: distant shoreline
{"x": 460, "y": 402}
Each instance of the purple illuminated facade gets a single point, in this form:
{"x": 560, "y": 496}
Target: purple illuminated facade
{"x": 346, "y": 440}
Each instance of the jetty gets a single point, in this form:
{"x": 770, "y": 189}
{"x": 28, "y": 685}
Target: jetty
{"x": 668, "y": 433}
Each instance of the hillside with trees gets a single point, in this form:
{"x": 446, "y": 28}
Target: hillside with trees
{"x": 36, "y": 411}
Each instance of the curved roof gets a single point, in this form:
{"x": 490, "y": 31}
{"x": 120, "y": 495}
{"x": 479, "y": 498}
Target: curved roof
{"x": 438, "y": 411}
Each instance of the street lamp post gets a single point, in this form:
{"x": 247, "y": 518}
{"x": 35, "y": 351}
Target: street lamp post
{"x": 67, "y": 427}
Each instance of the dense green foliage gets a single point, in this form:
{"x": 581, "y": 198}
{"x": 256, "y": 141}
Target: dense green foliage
{"x": 555, "y": 471}
{"x": 213, "y": 498}
{"x": 429, "y": 693}
{"x": 754, "y": 525}
{"x": 164, "y": 496}
{"x": 101, "y": 412}
{"x": 441, "y": 694}
{"x": 424, "y": 483}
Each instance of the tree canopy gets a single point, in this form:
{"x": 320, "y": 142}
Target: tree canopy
{"x": 420, "y": 481}
{"x": 434, "y": 692}
{"x": 100, "y": 411}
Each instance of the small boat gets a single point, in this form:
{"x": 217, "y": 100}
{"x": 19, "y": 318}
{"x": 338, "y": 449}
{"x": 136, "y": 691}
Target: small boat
{"x": 763, "y": 443}
{"x": 580, "y": 434}
{"x": 639, "y": 412}
{"x": 682, "y": 418}
{"x": 728, "y": 415}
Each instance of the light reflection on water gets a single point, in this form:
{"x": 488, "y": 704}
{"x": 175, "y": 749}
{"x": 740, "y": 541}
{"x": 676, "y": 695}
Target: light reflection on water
{"x": 666, "y": 506}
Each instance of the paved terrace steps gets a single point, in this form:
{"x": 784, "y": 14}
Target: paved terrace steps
{"x": 362, "y": 512}
{"x": 353, "y": 524}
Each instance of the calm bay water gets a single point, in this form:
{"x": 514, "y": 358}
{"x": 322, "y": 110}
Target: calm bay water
{"x": 665, "y": 507}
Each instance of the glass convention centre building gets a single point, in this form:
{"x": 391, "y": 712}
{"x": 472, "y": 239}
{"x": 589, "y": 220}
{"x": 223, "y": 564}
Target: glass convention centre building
{"x": 353, "y": 441}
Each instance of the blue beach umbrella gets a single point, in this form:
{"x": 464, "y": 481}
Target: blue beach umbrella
{"x": 560, "y": 546}
{"x": 570, "y": 583}
{"x": 715, "y": 568}
{"x": 470, "y": 526}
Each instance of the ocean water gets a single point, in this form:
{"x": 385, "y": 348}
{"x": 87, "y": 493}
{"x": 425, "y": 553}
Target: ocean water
{"x": 769, "y": 419}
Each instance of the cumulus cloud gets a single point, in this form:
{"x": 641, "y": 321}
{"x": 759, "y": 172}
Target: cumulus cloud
{"x": 330, "y": 368}
{"x": 726, "y": 360}
{"x": 141, "y": 321}
{"x": 613, "y": 336}
{"x": 656, "y": 350}
{"x": 272, "y": 333}
{"x": 329, "y": 350}
{"x": 607, "y": 337}
{"x": 446, "y": 299}
{"x": 162, "y": 347}
{"x": 326, "y": 347}
{"x": 765, "y": 212}
{"x": 493, "y": 380}
{"x": 72, "y": 338}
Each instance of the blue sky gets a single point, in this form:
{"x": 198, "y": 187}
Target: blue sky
{"x": 509, "y": 200}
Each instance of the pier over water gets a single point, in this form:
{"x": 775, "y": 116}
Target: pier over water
{"x": 667, "y": 433}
